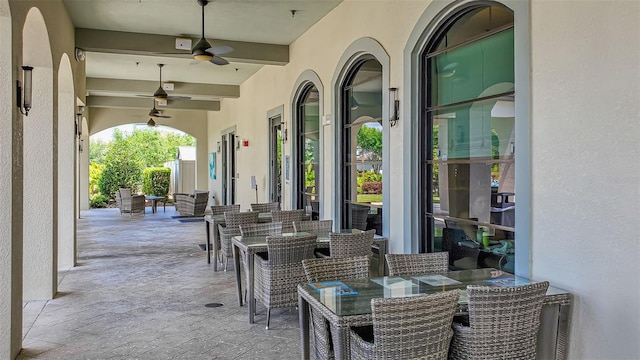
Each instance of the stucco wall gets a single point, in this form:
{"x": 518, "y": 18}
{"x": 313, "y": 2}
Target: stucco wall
{"x": 586, "y": 173}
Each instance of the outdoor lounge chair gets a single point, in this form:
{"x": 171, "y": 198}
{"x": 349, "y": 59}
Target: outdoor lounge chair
{"x": 191, "y": 204}
{"x": 128, "y": 203}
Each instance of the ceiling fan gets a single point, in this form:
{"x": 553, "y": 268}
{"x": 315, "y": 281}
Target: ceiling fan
{"x": 160, "y": 94}
{"x": 156, "y": 114}
{"x": 203, "y": 51}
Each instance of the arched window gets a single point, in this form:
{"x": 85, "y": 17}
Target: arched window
{"x": 361, "y": 146}
{"x": 468, "y": 127}
{"x": 308, "y": 150}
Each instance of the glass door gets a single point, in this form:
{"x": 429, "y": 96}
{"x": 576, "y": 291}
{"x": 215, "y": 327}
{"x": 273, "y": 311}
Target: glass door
{"x": 275, "y": 152}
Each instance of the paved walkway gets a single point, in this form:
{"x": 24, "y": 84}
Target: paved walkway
{"x": 139, "y": 292}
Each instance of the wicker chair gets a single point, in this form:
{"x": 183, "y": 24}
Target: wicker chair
{"x": 287, "y": 217}
{"x": 359, "y": 216}
{"x": 351, "y": 244}
{"x": 278, "y": 275}
{"x": 425, "y": 263}
{"x": 407, "y": 328}
{"x": 233, "y": 220}
{"x": 128, "y": 203}
{"x": 218, "y": 210}
{"x": 503, "y": 323}
{"x": 194, "y": 204}
{"x": 318, "y": 227}
{"x": 272, "y": 228}
{"x": 325, "y": 270}
{"x": 265, "y": 207}
{"x": 221, "y": 209}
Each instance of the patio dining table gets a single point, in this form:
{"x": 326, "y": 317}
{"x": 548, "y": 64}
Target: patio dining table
{"x": 344, "y": 309}
{"x": 250, "y": 245}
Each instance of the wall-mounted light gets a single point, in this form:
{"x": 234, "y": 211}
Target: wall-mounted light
{"x": 81, "y": 145}
{"x": 79, "y": 122}
{"x": 395, "y": 107}
{"x": 23, "y": 94}
{"x": 218, "y": 147}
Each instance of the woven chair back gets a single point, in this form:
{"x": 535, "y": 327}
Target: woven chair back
{"x": 235, "y": 219}
{"x": 318, "y": 227}
{"x": 351, "y": 244}
{"x": 327, "y": 269}
{"x": 428, "y": 316}
{"x": 290, "y": 249}
{"x": 272, "y": 228}
{"x": 425, "y": 263}
{"x": 517, "y": 311}
{"x": 265, "y": 207}
{"x": 221, "y": 209}
{"x": 287, "y": 217}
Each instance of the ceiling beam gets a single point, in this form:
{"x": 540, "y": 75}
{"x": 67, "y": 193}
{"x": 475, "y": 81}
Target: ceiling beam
{"x": 120, "y": 42}
{"x": 142, "y": 103}
{"x": 148, "y": 87}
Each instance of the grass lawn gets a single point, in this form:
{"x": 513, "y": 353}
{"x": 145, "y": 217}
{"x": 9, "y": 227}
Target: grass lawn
{"x": 367, "y": 198}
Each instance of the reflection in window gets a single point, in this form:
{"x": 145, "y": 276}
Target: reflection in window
{"x": 468, "y": 156}
{"x": 308, "y": 154}
{"x": 362, "y": 147}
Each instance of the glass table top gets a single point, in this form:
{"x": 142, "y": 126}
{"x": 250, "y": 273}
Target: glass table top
{"x": 353, "y": 297}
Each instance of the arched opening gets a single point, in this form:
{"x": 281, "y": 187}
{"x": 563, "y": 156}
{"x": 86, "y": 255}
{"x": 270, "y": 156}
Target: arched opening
{"x": 361, "y": 145}
{"x": 132, "y": 148}
{"x": 66, "y": 166}
{"x": 467, "y": 137}
{"x": 40, "y": 227}
{"x": 308, "y": 148}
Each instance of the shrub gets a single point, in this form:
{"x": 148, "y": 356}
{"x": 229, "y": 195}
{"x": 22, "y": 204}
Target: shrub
{"x": 99, "y": 201}
{"x": 155, "y": 181}
{"x": 366, "y": 176}
{"x": 372, "y": 187}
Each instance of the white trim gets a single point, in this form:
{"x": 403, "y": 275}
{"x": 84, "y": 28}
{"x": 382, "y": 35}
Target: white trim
{"x": 355, "y": 51}
{"x": 307, "y": 77}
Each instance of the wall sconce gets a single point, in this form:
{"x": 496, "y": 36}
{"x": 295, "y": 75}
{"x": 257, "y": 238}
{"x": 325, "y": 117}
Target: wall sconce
{"x": 81, "y": 145}
{"x": 79, "y": 122}
{"x": 23, "y": 95}
{"x": 218, "y": 146}
{"x": 395, "y": 108}
{"x": 512, "y": 147}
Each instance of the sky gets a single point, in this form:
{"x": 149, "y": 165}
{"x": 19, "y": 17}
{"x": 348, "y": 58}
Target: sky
{"x": 107, "y": 134}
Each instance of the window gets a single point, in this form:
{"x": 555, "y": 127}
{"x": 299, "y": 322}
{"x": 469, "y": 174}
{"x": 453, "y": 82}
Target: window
{"x": 361, "y": 146}
{"x": 308, "y": 152}
{"x": 468, "y": 156}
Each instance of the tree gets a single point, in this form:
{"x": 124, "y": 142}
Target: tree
{"x": 97, "y": 152}
{"x": 370, "y": 140}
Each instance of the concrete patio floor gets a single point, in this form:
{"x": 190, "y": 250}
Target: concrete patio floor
{"x": 139, "y": 292}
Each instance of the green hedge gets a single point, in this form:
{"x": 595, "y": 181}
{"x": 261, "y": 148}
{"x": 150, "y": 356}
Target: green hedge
{"x": 155, "y": 181}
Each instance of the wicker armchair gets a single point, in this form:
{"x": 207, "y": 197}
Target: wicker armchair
{"x": 325, "y": 270}
{"x": 407, "y": 328}
{"x": 233, "y": 220}
{"x": 503, "y": 323}
{"x": 128, "y": 203}
{"x": 278, "y": 275}
{"x": 425, "y": 263}
{"x": 318, "y": 227}
{"x": 194, "y": 204}
{"x": 272, "y": 228}
{"x": 265, "y": 207}
{"x": 351, "y": 244}
{"x": 287, "y": 217}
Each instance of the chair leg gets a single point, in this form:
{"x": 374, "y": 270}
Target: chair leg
{"x": 268, "y": 317}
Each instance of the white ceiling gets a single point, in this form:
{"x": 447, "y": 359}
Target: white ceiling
{"x": 255, "y": 21}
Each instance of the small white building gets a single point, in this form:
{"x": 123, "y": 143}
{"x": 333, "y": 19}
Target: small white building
{"x": 183, "y": 170}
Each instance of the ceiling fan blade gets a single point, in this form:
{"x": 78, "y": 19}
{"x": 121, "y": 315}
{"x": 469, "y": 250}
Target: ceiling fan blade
{"x": 163, "y": 116}
{"x": 177, "y": 97}
{"x": 146, "y": 96}
{"x": 219, "y": 61}
{"x": 219, "y": 50}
